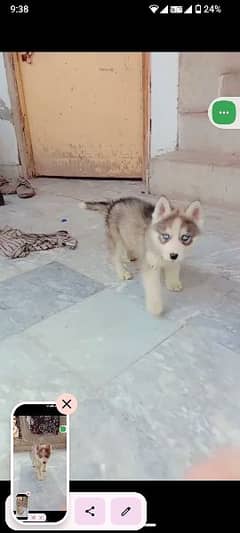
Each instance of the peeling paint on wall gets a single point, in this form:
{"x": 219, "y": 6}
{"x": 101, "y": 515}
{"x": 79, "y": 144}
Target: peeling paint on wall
{"x": 9, "y": 158}
{"x": 5, "y": 113}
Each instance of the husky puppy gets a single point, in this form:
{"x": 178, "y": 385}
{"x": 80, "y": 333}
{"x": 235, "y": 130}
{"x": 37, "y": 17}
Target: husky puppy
{"x": 40, "y": 456}
{"x": 157, "y": 236}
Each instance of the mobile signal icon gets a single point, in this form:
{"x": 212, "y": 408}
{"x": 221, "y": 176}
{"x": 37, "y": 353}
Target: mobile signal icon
{"x": 188, "y": 11}
{"x": 154, "y": 8}
{"x": 164, "y": 11}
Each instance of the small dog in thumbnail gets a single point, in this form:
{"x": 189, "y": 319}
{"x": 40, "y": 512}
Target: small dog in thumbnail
{"x": 41, "y": 454}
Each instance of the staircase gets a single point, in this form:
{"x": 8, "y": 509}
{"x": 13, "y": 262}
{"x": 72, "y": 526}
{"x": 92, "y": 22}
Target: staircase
{"x": 206, "y": 164}
{"x": 188, "y": 174}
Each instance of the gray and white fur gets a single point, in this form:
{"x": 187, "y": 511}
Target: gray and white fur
{"x": 158, "y": 236}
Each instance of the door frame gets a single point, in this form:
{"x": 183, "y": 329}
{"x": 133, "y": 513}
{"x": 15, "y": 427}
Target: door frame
{"x": 20, "y": 119}
{"x": 147, "y": 119}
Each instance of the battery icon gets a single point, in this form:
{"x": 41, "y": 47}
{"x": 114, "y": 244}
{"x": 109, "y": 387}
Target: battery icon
{"x": 198, "y": 9}
{"x": 176, "y": 9}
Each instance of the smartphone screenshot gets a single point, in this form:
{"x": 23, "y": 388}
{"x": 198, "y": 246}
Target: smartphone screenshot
{"x": 22, "y": 507}
{"x": 39, "y": 463}
{"x": 119, "y": 265}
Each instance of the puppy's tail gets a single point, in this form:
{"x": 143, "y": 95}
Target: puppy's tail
{"x": 96, "y": 206}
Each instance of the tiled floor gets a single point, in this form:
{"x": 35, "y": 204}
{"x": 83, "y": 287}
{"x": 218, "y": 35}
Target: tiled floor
{"x": 49, "y": 495}
{"x": 154, "y": 394}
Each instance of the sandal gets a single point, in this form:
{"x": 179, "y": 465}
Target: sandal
{"x": 6, "y": 187}
{"x": 24, "y": 188}
{"x": 3, "y": 181}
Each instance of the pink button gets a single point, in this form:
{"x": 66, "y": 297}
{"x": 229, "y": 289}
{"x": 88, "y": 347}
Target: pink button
{"x": 90, "y": 511}
{"x": 126, "y": 511}
{"x": 66, "y": 404}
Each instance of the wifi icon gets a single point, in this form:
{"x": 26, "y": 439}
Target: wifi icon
{"x": 154, "y": 8}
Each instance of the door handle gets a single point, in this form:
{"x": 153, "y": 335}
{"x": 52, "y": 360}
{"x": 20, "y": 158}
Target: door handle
{"x": 27, "y": 57}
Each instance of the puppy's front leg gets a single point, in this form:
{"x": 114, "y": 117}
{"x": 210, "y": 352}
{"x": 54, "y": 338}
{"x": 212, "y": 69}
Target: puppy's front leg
{"x": 172, "y": 276}
{"x": 39, "y": 475}
{"x": 153, "y": 292}
{"x": 121, "y": 271}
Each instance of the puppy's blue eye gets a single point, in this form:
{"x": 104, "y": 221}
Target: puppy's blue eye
{"x": 186, "y": 238}
{"x": 165, "y": 237}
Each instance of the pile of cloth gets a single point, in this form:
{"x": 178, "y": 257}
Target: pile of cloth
{"x": 14, "y": 243}
{"x": 22, "y": 187}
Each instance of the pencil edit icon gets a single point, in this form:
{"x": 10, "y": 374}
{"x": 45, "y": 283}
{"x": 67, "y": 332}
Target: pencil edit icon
{"x": 125, "y": 511}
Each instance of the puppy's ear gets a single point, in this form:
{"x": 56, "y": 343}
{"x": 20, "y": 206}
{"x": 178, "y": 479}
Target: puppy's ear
{"x": 162, "y": 209}
{"x": 195, "y": 212}
{"x": 49, "y": 449}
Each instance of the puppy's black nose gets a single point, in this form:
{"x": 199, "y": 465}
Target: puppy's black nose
{"x": 173, "y": 256}
{"x": 44, "y": 462}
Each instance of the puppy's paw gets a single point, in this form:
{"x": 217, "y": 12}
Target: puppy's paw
{"x": 155, "y": 307}
{"x": 125, "y": 275}
{"x": 174, "y": 285}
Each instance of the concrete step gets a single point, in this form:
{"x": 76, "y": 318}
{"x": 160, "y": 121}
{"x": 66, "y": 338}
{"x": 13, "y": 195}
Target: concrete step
{"x": 211, "y": 178}
{"x": 196, "y": 133}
